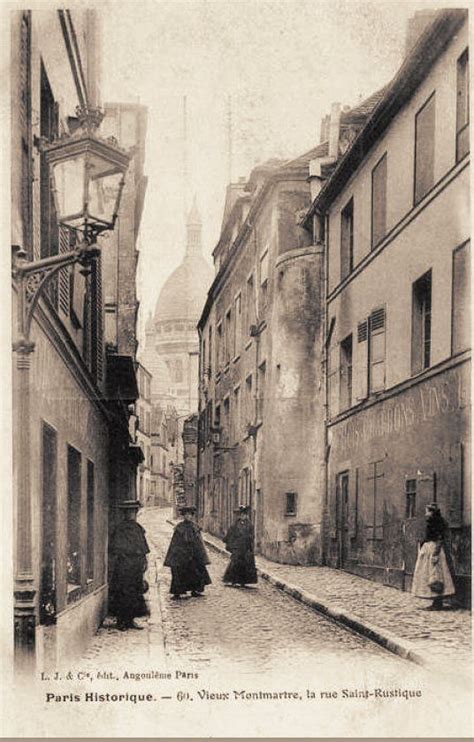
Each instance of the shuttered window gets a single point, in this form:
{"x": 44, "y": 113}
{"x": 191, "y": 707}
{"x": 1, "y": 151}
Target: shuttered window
{"x": 361, "y": 362}
{"x": 461, "y": 301}
{"x": 346, "y": 373}
{"x": 462, "y": 106}
{"x": 379, "y": 201}
{"x": 333, "y": 379}
{"x": 347, "y": 240}
{"x": 424, "y": 148}
{"x": 377, "y": 350}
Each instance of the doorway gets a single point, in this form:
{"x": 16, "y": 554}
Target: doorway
{"x": 342, "y": 518}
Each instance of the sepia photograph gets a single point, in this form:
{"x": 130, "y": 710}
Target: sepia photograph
{"x": 236, "y": 328}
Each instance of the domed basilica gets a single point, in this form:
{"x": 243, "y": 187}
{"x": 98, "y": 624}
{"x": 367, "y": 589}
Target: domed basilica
{"x": 171, "y": 351}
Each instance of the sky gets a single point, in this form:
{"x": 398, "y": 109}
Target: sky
{"x": 280, "y": 63}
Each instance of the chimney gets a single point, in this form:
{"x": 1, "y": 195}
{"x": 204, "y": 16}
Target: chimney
{"x": 324, "y": 129}
{"x": 334, "y": 127}
{"x": 415, "y": 27}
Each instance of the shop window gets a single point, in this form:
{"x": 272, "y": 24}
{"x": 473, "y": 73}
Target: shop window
{"x": 461, "y": 301}
{"x": 73, "y": 518}
{"x": 462, "y": 106}
{"x": 48, "y": 557}
{"x": 90, "y": 522}
{"x": 347, "y": 240}
{"x": 424, "y": 148}
{"x": 421, "y": 324}
{"x": 379, "y": 201}
{"x": 410, "y": 498}
{"x": 345, "y": 392}
{"x": 291, "y": 503}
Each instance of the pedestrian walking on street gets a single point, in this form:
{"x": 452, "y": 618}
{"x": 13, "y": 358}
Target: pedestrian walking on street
{"x": 187, "y": 557}
{"x": 128, "y": 550}
{"x": 432, "y": 577}
{"x": 240, "y": 542}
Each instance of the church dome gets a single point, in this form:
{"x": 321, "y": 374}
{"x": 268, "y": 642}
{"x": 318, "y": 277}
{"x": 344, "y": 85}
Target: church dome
{"x": 184, "y": 293}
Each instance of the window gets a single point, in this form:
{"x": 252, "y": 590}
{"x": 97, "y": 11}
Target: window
{"x": 237, "y": 325}
{"x": 379, "y": 201}
{"x": 217, "y": 419}
{"x": 236, "y": 417}
{"x": 228, "y": 335}
{"x": 421, "y": 324}
{"x": 347, "y": 240}
{"x": 291, "y": 503}
{"x": 410, "y": 498}
{"x": 250, "y": 302}
{"x": 90, "y": 522}
{"x": 424, "y": 148}
{"x": 375, "y": 493}
{"x": 49, "y": 128}
{"x": 346, "y": 373}
{"x": 203, "y": 359}
{"x": 48, "y": 559}
{"x": 73, "y": 518}
{"x": 219, "y": 347}
{"x": 261, "y": 389}
{"x": 209, "y": 369}
{"x": 226, "y": 418}
{"x": 333, "y": 372}
{"x": 377, "y": 350}
{"x": 264, "y": 279}
{"x": 461, "y": 304}
{"x": 248, "y": 400}
{"x": 462, "y": 106}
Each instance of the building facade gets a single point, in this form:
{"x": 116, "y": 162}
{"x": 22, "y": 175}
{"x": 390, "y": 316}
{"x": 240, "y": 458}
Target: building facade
{"x": 143, "y": 435}
{"x": 67, "y": 398}
{"x": 259, "y": 362}
{"x": 396, "y": 217}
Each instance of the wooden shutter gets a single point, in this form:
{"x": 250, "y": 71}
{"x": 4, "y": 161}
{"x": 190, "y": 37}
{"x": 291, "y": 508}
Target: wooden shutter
{"x": 333, "y": 379}
{"x": 377, "y": 349}
{"x": 333, "y": 497}
{"x": 360, "y": 371}
{"x": 353, "y": 504}
{"x": 424, "y": 148}
{"x": 461, "y": 298}
{"x": 379, "y": 200}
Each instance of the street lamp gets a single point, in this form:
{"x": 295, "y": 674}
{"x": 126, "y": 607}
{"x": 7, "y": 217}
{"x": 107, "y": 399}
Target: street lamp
{"x": 87, "y": 179}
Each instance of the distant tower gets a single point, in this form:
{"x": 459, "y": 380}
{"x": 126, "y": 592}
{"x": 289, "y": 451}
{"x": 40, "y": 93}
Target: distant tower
{"x": 193, "y": 231}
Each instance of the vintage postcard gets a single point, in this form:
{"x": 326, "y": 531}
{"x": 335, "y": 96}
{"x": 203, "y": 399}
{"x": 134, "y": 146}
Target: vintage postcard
{"x": 237, "y": 369}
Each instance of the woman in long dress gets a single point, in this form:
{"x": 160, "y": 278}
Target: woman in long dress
{"x": 432, "y": 577}
{"x": 187, "y": 558}
{"x": 240, "y": 542}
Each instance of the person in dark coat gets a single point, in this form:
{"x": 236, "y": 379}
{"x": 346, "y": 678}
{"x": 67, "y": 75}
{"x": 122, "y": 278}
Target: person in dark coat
{"x": 240, "y": 542}
{"x": 432, "y": 577}
{"x": 128, "y": 550}
{"x": 187, "y": 558}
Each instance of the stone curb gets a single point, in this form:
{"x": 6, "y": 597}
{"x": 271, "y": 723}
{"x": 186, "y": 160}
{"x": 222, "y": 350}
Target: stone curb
{"x": 376, "y": 634}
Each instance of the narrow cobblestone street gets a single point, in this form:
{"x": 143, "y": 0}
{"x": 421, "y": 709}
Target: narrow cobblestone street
{"x": 244, "y": 655}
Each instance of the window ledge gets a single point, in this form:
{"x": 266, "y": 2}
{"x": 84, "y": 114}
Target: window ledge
{"x": 290, "y": 515}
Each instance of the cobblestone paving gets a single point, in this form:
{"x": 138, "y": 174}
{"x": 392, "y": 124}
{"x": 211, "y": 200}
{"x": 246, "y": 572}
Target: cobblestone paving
{"x": 255, "y": 627}
{"x": 439, "y": 636}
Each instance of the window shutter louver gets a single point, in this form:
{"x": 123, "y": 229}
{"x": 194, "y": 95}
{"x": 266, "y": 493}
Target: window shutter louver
{"x": 361, "y": 362}
{"x": 377, "y": 349}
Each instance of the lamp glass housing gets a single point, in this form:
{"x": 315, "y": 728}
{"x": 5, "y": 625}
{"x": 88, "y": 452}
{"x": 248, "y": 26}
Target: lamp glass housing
{"x": 87, "y": 179}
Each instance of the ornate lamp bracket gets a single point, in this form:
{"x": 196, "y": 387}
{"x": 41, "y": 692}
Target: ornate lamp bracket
{"x": 31, "y": 279}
